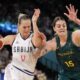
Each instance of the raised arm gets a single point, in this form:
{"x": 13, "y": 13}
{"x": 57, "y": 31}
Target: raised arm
{"x": 6, "y": 40}
{"x": 35, "y": 19}
{"x": 72, "y": 14}
{"x": 39, "y": 38}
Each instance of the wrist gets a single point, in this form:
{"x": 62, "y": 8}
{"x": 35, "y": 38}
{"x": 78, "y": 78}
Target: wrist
{"x": 77, "y": 21}
{"x": 34, "y": 21}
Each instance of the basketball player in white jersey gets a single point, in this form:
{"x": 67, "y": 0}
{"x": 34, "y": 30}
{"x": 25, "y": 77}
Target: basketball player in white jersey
{"x": 25, "y": 46}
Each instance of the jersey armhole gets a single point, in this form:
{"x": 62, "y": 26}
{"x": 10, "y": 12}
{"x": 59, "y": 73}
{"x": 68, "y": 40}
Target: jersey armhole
{"x": 33, "y": 44}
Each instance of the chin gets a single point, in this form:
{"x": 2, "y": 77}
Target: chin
{"x": 26, "y": 34}
{"x": 62, "y": 34}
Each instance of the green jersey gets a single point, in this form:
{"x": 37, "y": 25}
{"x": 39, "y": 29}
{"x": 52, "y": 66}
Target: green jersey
{"x": 69, "y": 57}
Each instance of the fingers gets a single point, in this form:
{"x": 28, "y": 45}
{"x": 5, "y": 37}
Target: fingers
{"x": 36, "y": 15}
{"x": 71, "y": 8}
{"x": 37, "y": 11}
{"x": 76, "y": 11}
{"x": 71, "y": 11}
{"x": 66, "y": 15}
{"x": 68, "y": 9}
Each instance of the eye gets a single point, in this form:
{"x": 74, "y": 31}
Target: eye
{"x": 64, "y": 25}
{"x": 26, "y": 26}
{"x": 58, "y": 26}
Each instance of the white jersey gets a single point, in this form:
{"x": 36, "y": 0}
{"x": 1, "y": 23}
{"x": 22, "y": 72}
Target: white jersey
{"x": 22, "y": 51}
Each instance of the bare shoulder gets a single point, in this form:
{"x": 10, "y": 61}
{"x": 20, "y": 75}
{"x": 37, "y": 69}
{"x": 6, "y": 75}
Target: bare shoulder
{"x": 76, "y": 37}
{"x": 77, "y": 32}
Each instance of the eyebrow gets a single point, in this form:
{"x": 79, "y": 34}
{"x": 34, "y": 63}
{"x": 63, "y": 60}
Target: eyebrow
{"x": 60, "y": 24}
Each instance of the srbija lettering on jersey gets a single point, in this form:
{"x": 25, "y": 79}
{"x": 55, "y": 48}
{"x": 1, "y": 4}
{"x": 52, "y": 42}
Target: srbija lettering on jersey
{"x": 22, "y": 51}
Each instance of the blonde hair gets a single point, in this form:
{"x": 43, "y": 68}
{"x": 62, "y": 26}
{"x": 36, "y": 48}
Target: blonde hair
{"x": 22, "y": 16}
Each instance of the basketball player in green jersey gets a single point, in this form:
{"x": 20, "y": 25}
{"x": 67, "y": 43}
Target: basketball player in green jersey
{"x": 67, "y": 47}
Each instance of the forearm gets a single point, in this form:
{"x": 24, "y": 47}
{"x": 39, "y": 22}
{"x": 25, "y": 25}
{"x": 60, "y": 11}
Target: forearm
{"x": 38, "y": 37}
{"x": 35, "y": 27}
{"x": 35, "y": 19}
{"x": 37, "y": 53}
{"x": 7, "y": 40}
{"x": 40, "y": 52}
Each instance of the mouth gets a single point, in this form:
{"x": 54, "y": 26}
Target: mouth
{"x": 25, "y": 32}
{"x": 61, "y": 31}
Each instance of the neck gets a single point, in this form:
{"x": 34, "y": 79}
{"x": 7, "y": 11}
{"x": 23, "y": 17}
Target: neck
{"x": 25, "y": 37}
{"x": 63, "y": 38}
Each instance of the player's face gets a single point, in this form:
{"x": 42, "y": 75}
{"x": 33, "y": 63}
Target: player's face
{"x": 25, "y": 28}
{"x": 60, "y": 27}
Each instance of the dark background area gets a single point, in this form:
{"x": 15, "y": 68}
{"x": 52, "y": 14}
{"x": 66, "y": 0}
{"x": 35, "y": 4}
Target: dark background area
{"x": 10, "y": 9}
{"x": 48, "y": 7}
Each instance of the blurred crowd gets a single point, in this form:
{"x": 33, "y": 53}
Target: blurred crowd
{"x": 9, "y": 11}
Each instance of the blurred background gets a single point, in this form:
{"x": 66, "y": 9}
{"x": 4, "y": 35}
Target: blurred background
{"x": 47, "y": 66}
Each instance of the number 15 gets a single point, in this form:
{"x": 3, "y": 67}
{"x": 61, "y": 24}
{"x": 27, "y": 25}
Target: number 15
{"x": 69, "y": 63}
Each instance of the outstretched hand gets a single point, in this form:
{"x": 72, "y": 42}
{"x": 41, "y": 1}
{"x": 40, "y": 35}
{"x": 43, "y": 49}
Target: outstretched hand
{"x": 72, "y": 12}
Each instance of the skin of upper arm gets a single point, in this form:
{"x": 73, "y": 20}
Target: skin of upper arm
{"x": 8, "y": 39}
{"x": 76, "y": 37}
{"x": 50, "y": 46}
